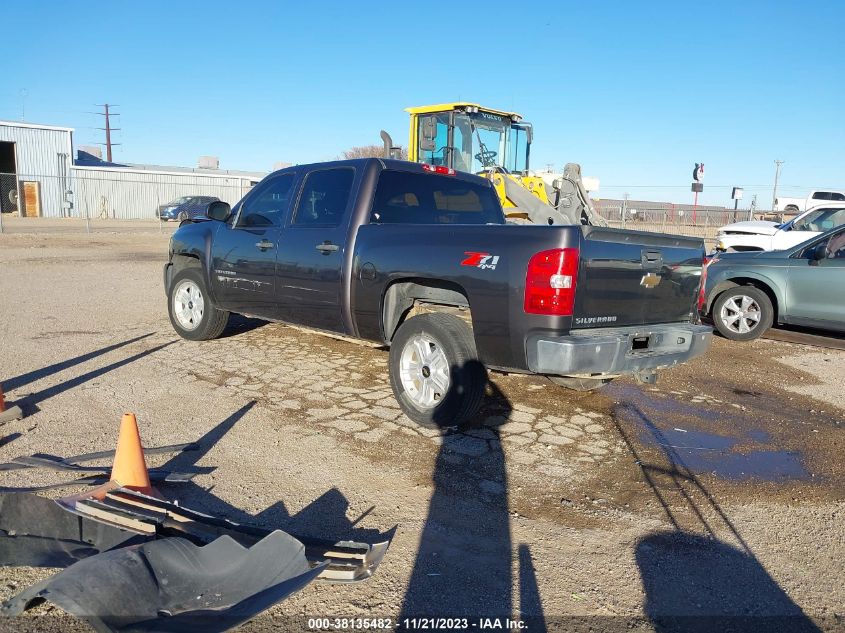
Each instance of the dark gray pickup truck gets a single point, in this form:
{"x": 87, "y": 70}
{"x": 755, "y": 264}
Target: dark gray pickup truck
{"x": 421, "y": 258}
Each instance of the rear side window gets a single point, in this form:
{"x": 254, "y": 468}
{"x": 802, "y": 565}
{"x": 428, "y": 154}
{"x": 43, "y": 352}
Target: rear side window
{"x": 324, "y": 197}
{"x": 410, "y": 198}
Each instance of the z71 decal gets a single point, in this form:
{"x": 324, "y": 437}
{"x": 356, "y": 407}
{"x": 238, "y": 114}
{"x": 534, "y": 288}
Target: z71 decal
{"x": 481, "y": 260}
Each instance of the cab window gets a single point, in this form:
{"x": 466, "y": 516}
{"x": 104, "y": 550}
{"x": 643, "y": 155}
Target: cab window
{"x": 268, "y": 203}
{"x": 324, "y": 197}
{"x": 413, "y": 198}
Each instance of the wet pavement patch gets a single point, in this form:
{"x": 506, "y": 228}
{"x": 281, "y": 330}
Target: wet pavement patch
{"x": 745, "y": 455}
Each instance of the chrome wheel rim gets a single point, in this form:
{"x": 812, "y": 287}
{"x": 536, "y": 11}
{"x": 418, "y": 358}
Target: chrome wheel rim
{"x": 740, "y": 314}
{"x": 188, "y": 305}
{"x": 424, "y": 371}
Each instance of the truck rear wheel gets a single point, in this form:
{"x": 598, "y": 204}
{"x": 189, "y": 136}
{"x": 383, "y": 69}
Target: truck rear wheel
{"x": 192, "y": 312}
{"x": 435, "y": 373}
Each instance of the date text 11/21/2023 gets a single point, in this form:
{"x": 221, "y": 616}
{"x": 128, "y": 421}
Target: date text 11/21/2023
{"x": 416, "y": 624}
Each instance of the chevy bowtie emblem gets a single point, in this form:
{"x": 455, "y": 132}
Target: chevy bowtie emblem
{"x": 650, "y": 280}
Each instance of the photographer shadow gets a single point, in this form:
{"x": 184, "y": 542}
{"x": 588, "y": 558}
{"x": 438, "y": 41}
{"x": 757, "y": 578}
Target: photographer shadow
{"x": 463, "y": 565}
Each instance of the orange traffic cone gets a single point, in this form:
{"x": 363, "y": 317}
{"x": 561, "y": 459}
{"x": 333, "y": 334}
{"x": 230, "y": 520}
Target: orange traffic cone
{"x": 129, "y": 469}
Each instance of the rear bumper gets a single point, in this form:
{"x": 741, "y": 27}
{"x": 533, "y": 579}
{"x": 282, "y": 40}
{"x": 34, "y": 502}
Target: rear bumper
{"x": 611, "y": 350}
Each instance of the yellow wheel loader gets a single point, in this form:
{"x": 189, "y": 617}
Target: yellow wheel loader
{"x": 497, "y": 144}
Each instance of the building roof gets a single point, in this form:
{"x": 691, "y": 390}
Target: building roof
{"x": 92, "y": 161}
{"x": 35, "y": 126}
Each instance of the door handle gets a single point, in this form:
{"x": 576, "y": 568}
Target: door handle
{"x": 264, "y": 245}
{"x": 327, "y": 247}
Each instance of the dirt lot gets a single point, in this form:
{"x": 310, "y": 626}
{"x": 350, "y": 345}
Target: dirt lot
{"x": 718, "y": 491}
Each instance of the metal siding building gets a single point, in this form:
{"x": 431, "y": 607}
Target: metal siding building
{"x": 136, "y": 191}
{"x": 43, "y": 154}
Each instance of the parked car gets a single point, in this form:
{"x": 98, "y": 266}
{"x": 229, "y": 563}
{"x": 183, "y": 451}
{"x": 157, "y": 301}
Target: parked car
{"x": 745, "y": 293}
{"x": 759, "y": 235}
{"x": 420, "y": 258}
{"x": 814, "y": 199}
{"x": 185, "y": 208}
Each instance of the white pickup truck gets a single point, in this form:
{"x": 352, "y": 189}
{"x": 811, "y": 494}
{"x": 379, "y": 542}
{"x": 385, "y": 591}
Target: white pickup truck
{"x": 759, "y": 235}
{"x": 816, "y": 197}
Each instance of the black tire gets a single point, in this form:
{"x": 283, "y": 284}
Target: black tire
{"x": 213, "y": 320}
{"x": 467, "y": 377}
{"x": 183, "y": 215}
{"x": 579, "y": 384}
{"x": 757, "y": 328}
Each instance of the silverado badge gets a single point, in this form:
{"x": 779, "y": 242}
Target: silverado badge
{"x": 650, "y": 280}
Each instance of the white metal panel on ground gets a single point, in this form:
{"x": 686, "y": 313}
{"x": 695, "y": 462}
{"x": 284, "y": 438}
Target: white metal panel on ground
{"x": 135, "y": 193}
{"x": 42, "y": 154}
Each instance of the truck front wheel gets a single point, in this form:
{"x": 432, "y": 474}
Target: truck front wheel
{"x": 435, "y": 373}
{"x": 192, "y": 312}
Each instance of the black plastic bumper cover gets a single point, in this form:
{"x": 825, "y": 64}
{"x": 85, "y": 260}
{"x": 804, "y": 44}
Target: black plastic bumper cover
{"x": 613, "y": 350}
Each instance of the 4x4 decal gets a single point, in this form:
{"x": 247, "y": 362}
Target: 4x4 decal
{"x": 480, "y": 260}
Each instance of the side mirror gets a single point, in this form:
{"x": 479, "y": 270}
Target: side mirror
{"x": 219, "y": 210}
{"x": 428, "y": 133}
{"x": 818, "y": 253}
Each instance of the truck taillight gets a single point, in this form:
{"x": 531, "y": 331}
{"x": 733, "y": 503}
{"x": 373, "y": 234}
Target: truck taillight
{"x": 550, "y": 282}
{"x": 439, "y": 169}
{"x": 702, "y": 298}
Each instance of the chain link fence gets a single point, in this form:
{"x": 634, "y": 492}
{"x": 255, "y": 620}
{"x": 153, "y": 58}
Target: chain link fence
{"x": 674, "y": 219}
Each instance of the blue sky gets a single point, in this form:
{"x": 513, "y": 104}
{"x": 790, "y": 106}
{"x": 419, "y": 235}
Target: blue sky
{"x": 634, "y": 91}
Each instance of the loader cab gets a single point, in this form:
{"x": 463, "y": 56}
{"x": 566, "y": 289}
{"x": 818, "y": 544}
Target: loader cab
{"x": 469, "y": 138}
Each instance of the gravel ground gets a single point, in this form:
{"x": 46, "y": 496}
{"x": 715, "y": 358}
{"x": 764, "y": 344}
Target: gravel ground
{"x": 716, "y": 492}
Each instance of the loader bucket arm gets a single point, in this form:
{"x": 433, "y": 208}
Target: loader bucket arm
{"x": 588, "y": 215}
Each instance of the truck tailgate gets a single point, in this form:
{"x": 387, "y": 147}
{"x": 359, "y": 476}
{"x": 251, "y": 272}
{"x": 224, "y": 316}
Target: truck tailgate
{"x": 636, "y": 278}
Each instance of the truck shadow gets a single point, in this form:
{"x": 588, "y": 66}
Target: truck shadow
{"x": 464, "y": 559}
{"x": 239, "y": 324}
{"x": 697, "y": 581}
{"x": 325, "y": 517}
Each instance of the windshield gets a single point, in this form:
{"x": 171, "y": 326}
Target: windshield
{"x": 181, "y": 200}
{"x": 483, "y": 140}
{"x": 820, "y": 220}
{"x": 479, "y": 141}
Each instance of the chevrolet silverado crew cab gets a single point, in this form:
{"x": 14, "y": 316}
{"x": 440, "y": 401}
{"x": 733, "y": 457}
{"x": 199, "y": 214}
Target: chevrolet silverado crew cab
{"x": 421, "y": 258}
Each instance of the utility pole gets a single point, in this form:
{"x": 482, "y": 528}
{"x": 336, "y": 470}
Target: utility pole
{"x": 778, "y": 163}
{"x": 108, "y": 129}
